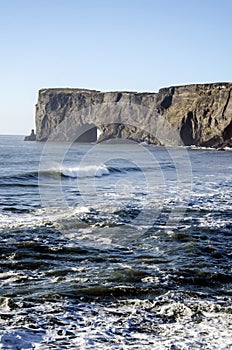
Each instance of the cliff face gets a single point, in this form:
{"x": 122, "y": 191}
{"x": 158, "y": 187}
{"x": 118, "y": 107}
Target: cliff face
{"x": 199, "y": 114}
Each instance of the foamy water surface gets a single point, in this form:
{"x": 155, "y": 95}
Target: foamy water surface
{"x": 129, "y": 248}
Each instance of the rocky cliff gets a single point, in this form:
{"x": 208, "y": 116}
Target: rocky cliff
{"x": 198, "y": 114}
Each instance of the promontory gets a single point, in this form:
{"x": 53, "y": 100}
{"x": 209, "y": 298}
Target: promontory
{"x": 197, "y": 114}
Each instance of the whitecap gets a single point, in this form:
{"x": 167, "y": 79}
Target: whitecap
{"x": 87, "y": 171}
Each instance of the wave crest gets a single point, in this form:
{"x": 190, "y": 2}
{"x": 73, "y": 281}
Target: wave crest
{"x": 87, "y": 171}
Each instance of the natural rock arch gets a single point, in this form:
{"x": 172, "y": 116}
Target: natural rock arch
{"x": 89, "y": 133}
{"x": 200, "y": 114}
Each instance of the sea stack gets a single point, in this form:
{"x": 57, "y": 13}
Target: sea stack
{"x": 31, "y": 137}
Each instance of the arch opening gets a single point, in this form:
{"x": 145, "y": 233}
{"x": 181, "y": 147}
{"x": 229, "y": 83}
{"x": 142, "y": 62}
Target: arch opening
{"x": 89, "y": 133}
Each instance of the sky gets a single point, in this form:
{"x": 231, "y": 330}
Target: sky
{"x": 107, "y": 45}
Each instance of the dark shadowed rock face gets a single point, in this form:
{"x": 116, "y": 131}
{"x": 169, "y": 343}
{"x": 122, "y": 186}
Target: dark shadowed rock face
{"x": 200, "y": 114}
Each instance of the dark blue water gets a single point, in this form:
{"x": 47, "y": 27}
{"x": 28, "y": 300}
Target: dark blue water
{"x": 114, "y": 246}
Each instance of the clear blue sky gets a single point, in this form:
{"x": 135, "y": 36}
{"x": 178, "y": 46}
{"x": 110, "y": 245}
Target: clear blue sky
{"x": 139, "y": 45}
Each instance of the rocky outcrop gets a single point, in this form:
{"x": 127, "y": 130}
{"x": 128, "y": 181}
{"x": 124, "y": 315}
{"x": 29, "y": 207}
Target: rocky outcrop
{"x": 31, "y": 137}
{"x": 198, "y": 114}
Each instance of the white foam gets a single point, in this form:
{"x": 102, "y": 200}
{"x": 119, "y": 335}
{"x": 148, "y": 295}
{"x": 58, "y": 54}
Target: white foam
{"x": 129, "y": 324}
{"x": 201, "y": 148}
{"x": 87, "y": 171}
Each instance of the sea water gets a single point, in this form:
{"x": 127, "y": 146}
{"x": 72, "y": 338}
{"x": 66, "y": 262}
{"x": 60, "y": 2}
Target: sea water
{"x": 114, "y": 246}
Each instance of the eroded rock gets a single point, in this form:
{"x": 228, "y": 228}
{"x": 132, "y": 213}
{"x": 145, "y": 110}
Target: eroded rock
{"x": 197, "y": 114}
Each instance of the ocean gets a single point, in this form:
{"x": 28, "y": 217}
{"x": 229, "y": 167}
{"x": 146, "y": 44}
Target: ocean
{"x": 114, "y": 246}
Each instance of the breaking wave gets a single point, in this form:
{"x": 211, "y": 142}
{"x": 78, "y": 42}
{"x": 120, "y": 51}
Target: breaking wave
{"x": 30, "y": 179}
{"x": 87, "y": 171}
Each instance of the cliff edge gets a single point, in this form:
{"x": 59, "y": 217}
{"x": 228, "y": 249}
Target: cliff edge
{"x": 201, "y": 114}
